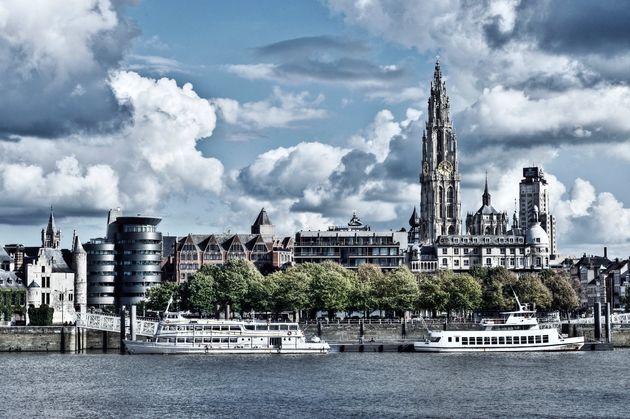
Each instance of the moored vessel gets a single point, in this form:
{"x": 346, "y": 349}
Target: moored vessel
{"x": 176, "y": 334}
{"x": 514, "y": 331}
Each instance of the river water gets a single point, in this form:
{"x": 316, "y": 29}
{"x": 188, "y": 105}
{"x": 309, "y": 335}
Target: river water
{"x": 338, "y": 385}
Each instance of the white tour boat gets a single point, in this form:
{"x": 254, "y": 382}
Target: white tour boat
{"x": 515, "y": 331}
{"x": 176, "y": 334}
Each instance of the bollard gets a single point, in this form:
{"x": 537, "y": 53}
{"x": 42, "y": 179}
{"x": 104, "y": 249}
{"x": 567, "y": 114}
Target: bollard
{"x": 597, "y": 321}
{"x": 132, "y": 323}
{"x": 123, "y": 330}
{"x": 607, "y": 321}
{"x": 104, "y": 343}
{"x": 62, "y": 343}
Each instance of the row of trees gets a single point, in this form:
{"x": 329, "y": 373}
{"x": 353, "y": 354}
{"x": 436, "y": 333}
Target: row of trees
{"x": 237, "y": 286}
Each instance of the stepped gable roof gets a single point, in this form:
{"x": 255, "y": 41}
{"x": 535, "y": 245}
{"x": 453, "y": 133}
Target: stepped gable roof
{"x": 232, "y": 240}
{"x": 60, "y": 259}
{"x": 262, "y": 219}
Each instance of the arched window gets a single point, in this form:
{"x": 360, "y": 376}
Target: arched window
{"x": 451, "y": 230}
{"x": 449, "y": 202}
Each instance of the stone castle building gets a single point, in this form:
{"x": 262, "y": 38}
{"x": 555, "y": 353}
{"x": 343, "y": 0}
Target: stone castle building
{"x": 435, "y": 237}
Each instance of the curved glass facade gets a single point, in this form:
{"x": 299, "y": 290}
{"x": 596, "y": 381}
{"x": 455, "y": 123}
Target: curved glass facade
{"x": 101, "y": 273}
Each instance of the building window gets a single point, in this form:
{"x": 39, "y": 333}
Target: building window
{"x": 456, "y": 262}
{"x": 444, "y": 262}
{"x": 444, "y": 251}
{"x": 466, "y": 250}
{"x": 488, "y": 251}
{"x": 456, "y": 250}
{"x": 465, "y": 262}
{"x": 488, "y": 262}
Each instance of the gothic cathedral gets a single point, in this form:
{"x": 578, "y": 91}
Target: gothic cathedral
{"x": 439, "y": 176}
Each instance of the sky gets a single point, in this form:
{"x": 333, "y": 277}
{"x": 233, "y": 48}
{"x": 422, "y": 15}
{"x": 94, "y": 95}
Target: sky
{"x": 204, "y": 112}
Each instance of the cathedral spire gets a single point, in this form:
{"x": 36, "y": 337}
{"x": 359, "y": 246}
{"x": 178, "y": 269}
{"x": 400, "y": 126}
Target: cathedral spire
{"x": 486, "y": 194}
{"x": 51, "y": 235}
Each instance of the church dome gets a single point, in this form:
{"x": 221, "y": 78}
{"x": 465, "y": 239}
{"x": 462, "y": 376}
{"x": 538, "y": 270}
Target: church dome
{"x": 536, "y": 235}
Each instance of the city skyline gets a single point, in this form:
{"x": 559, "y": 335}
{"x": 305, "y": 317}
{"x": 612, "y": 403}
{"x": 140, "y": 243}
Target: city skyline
{"x": 311, "y": 110}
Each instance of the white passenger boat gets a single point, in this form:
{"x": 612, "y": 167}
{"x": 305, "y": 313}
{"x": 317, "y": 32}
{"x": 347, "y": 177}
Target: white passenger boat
{"x": 514, "y": 331}
{"x": 176, "y": 334}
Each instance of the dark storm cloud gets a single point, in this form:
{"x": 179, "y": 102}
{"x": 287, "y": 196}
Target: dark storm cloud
{"x": 355, "y": 165}
{"x": 312, "y": 45}
{"x": 43, "y": 97}
{"x": 33, "y": 216}
{"x": 403, "y": 160}
{"x": 567, "y": 26}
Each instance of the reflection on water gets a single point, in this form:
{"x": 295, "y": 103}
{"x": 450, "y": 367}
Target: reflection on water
{"x": 579, "y": 384}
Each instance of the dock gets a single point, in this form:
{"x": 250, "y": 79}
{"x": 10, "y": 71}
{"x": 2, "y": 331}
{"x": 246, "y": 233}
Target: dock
{"x": 371, "y": 347}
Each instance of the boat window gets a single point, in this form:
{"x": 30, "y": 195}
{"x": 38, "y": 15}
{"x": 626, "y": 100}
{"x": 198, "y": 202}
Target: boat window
{"x": 207, "y": 340}
{"x": 456, "y": 338}
{"x": 189, "y": 340}
{"x": 450, "y": 339}
{"x": 190, "y": 327}
{"x": 538, "y": 339}
{"x": 273, "y": 327}
{"x": 261, "y": 327}
{"x": 250, "y": 327}
{"x": 293, "y": 327}
{"x": 486, "y": 340}
{"x": 479, "y": 340}
{"x": 436, "y": 339}
{"x": 216, "y": 340}
{"x": 284, "y": 327}
{"x": 198, "y": 327}
{"x": 508, "y": 340}
{"x": 207, "y": 328}
{"x": 530, "y": 339}
{"x": 198, "y": 340}
{"x": 233, "y": 340}
{"x": 181, "y": 340}
{"x": 501, "y": 340}
{"x": 523, "y": 340}
{"x": 216, "y": 327}
{"x": 545, "y": 338}
{"x": 235, "y": 328}
{"x": 494, "y": 340}
{"x": 464, "y": 340}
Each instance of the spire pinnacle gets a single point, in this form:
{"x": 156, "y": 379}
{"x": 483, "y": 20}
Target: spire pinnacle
{"x": 486, "y": 194}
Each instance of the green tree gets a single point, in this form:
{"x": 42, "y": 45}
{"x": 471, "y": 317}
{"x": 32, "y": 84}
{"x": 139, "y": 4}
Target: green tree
{"x": 363, "y": 295}
{"x": 399, "y": 292}
{"x": 530, "y": 289}
{"x": 564, "y": 295}
{"x": 41, "y": 316}
{"x": 232, "y": 280}
{"x": 495, "y": 294}
{"x": 260, "y": 294}
{"x": 463, "y": 291}
{"x": 157, "y": 297}
{"x": 292, "y": 290}
{"x": 432, "y": 295}
{"x": 199, "y": 292}
{"x": 330, "y": 286}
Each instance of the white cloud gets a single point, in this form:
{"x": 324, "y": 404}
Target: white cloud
{"x": 261, "y": 71}
{"x": 282, "y": 109}
{"x": 379, "y": 134}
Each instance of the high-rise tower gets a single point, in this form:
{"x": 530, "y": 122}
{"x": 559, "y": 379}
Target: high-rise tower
{"x": 534, "y": 205}
{"x": 439, "y": 176}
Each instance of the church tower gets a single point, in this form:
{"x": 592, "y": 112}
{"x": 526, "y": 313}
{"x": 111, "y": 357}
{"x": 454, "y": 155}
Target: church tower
{"x": 439, "y": 177}
{"x": 51, "y": 236}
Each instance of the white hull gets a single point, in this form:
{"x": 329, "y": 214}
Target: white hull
{"x": 140, "y": 347}
{"x": 569, "y": 344}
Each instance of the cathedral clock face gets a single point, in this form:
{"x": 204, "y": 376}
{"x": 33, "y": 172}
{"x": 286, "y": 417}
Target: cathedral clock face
{"x": 445, "y": 168}
{"x": 425, "y": 168}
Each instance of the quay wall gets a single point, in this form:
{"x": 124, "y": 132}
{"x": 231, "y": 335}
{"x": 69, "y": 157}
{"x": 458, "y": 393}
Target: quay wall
{"x": 55, "y": 339}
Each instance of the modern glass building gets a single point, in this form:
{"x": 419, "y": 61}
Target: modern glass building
{"x": 125, "y": 264}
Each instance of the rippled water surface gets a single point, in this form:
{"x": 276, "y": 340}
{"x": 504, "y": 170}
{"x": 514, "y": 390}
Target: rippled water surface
{"x": 581, "y": 384}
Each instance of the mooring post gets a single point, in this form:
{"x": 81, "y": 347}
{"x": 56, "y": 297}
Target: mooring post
{"x": 597, "y": 321}
{"x": 62, "y": 343}
{"x": 122, "y": 329}
{"x": 607, "y": 321}
{"x": 132, "y": 323}
{"x": 105, "y": 338}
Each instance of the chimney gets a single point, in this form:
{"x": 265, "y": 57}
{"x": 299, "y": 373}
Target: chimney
{"x": 605, "y": 252}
